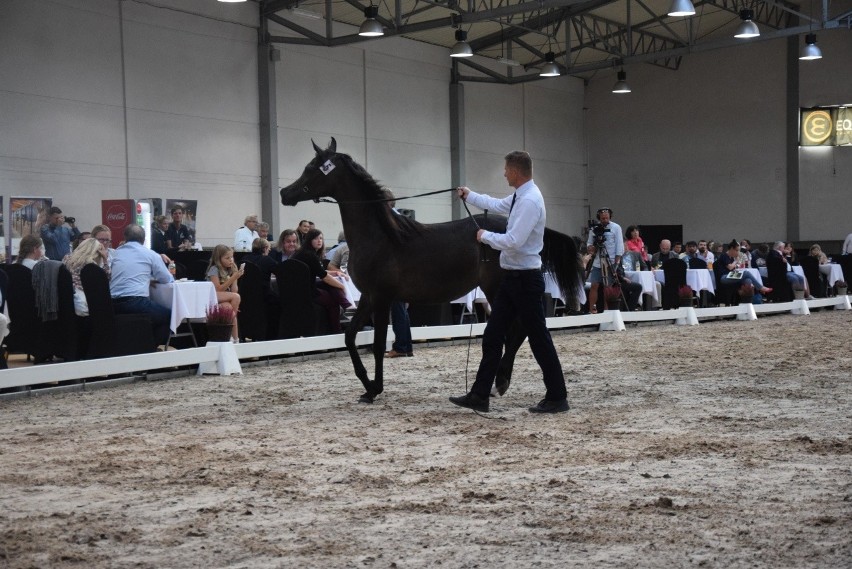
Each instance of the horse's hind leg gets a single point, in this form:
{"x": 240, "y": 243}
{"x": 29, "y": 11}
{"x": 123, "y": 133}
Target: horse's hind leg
{"x": 514, "y": 339}
{"x": 381, "y": 319}
{"x": 355, "y": 326}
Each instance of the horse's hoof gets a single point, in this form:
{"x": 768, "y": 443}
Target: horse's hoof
{"x": 502, "y": 388}
{"x": 367, "y": 398}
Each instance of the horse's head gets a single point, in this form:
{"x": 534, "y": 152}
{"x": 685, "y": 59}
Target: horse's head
{"x": 317, "y": 180}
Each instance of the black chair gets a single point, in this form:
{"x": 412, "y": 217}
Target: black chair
{"x": 300, "y": 315}
{"x": 674, "y": 271}
{"x": 180, "y": 271}
{"x": 60, "y": 337}
{"x": 112, "y": 334}
{"x": 252, "y": 316}
{"x": 440, "y": 314}
{"x": 196, "y": 270}
{"x": 4, "y": 286}
{"x": 810, "y": 266}
{"x": 20, "y": 298}
{"x": 696, "y": 263}
{"x": 776, "y": 278}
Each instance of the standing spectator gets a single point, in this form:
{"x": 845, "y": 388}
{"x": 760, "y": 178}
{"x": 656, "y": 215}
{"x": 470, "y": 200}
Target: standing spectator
{"x": 30, "y": 251}
{"x": 224, "y": 274}
{"x": 135, "y": 269}
{"x": 328, "y": 292}
{"x": 57, "y": 238}
{"x": 159, "y": 227}
{"x": 245, "y": 235}
{"x": 664, "y": 253}
{"x": 177, "y": 233}
{"x": 402, "y": 346}
{"x": 847, "y": 246}
{"x": 614, "y": 242}
{"x": 288, "y": 243}
{"x": 263, "y": 230}
{"x": 520, "y": 292}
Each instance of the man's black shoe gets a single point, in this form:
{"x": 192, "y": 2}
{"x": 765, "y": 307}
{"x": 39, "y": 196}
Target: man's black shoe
{"x": 545, "y": 406}
{"x": 471, "y": 401}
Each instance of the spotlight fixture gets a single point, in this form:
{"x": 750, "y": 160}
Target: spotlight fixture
{"x": 462, "y": 48}
{"x": 747, "y": 28}
{"x": 549, "y": 69}
{"x": 682, "y": 8}
{"x": 621, "y": 85}
{"x": 811, "y": 51}
{"x": 371, "y": 27}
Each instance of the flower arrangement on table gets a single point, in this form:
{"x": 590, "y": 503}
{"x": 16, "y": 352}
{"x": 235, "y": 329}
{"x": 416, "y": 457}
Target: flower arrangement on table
{"x": 220, "y": 315}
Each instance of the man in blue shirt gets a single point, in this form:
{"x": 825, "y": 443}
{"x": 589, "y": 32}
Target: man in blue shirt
{"x": 57, "y": 238}
{"x": 521, "y": 290}
{"x": 135, "y": 268}
{"x": 613, "y": 240}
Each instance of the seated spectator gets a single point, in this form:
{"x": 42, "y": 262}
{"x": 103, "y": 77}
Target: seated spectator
{"x": 816, "y": 251}
{"x": 328, "y": 292}
{"x": 677, "y": 248}
{"x": 633, "y": 242}
{"x": 245, "y": 235}
{"x": 691, "y": 250}
{"x": 57, "y": 238}
{"x": 716, "y": 248}
{"x": 89, "y": 251}
{"x": 288, "y": 243}
{"x": 302, "y": 230}
{"x": 341, "y": 240}
{"x": 340, "y": 260}
{"x": 664, "y": 253}
{"x": 263, "y": 230}
{"x": 103, "y": 235}
{"x": 790, "y": 253}
{"x": 704, "y": 253}
{"x": 135, "y": 269}
{"x": 224, "y": 274}
{"x": 80, "y": 238}
{"x": 728, "y": 262}
{"x": 30, "y": 251}
{"x": 260, "y": 256}
{"x": 158, "y": 234}
{"x": 798, "y": 282}
{"x": 758, "y": 257}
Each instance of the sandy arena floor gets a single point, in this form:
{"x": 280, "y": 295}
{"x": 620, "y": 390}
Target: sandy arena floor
{"x": 721, "y": 445}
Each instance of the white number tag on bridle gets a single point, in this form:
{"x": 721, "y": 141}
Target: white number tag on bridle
{"x": 327, "y": 167}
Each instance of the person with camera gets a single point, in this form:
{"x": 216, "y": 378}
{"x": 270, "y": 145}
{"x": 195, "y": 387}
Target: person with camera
{"x": 56, "y": 236}
{"x": 606, "y": 242}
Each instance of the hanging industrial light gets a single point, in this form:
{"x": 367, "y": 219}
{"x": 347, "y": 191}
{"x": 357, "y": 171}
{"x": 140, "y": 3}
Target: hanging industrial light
{"x": 621, "y": 85}
{"x": 747, "y": 28}
{"x": 682, "y": 8}
{"x": 549, "y": 69}
{"x": 811, "y": 50}
{"x": 371, "y": 27}
{"x": 462, "y": 48}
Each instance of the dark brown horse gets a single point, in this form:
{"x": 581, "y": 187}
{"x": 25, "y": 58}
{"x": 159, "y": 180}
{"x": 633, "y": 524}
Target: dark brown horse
{"x": 392, "y": 257}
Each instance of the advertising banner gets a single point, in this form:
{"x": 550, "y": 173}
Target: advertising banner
{"x": 118, "y": 214}
{"x": 27, "y": 215}
{"x": 830, "y": 126}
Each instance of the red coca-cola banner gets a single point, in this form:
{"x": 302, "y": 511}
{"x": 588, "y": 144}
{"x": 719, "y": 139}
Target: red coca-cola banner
{"x": 118, "y": 214}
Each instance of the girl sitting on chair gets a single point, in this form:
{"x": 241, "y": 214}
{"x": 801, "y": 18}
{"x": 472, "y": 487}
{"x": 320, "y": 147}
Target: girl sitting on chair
{"x": 223, "y": 273}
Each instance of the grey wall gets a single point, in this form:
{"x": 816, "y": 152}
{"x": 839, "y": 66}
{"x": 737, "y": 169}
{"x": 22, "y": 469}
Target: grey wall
{"x": 705, "y": 146}
{"x": 103, "y": 100}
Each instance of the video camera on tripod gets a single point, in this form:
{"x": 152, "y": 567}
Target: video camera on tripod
{"x": 597, "y": 229}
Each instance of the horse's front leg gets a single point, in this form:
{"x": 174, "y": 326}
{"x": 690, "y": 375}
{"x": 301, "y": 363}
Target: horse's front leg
{"x": 514, "y": 339}
{"x": 381, "y": 318}
{"x": 362, "y": 314}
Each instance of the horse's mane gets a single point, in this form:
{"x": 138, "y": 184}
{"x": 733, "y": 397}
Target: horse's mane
{"x": 398, "y": 227}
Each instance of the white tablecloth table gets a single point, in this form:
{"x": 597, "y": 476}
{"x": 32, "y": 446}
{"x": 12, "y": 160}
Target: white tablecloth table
{"x": 353, "y": 295}
{"x": 833, "y": 271}
{"x": 697, "y": 279}
{"x": 647, "y": 280}
{"x": 186, "y": 299}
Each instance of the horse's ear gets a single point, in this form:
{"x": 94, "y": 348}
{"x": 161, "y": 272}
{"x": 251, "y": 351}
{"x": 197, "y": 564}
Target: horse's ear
{"x": 317, "y": 148}
{"x": 333, "y": 146}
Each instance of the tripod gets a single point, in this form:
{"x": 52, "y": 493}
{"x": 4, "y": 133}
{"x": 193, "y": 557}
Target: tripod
{"x": 609, "y": 275}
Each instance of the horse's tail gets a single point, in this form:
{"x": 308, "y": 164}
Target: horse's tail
{"x": 559, "y": 257}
